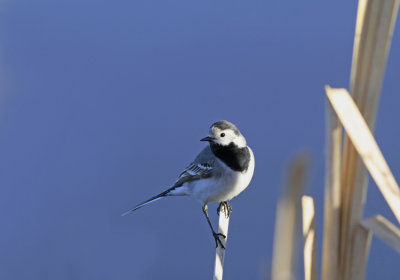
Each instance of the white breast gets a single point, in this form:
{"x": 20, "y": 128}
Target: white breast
{"x": 223, "y": 186}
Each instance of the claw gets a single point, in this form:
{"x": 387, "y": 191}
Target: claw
{"x": 217, "y": 240}
{"x": 225, "y": 207}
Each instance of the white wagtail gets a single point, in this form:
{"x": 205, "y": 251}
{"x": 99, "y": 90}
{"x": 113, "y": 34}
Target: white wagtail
{"x": 220, "y": 172}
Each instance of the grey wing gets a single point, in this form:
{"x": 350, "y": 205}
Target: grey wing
{"x": 201, "y": 168}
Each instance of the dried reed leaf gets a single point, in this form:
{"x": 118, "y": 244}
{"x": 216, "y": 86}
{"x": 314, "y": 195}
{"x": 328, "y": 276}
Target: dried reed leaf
{"x": 309, "y": 234}
{"x": 384, "y": 230}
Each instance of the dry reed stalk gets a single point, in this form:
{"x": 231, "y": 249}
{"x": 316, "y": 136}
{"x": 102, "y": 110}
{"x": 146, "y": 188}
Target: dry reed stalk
{"x": 330, "y": 252}
{"x": 366, "y": 146}
{"x": 374, "y": 28}
{"x": 223, "y": 226}
{"x": 309, "y": 234}
{"x": 361, "y": 245}
{"x": 364, "y": 143}
{"x": 287, "y": 224}
{"x": 384, "y": 230}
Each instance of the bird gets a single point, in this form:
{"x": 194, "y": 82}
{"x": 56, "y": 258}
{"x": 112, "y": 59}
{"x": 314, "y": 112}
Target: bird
{"x": 220, "y": 172}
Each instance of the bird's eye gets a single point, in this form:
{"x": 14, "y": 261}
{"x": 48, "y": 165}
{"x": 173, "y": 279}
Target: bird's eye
{"x": 222, "y": 134}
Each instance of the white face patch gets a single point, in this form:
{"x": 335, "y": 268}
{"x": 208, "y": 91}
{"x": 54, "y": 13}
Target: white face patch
{"x": 226, "y": 136}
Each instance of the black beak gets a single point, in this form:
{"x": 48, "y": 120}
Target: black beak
{"x": 208, "y": 138}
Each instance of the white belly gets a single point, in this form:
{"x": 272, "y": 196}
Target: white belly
{"x": 221, "y": 188}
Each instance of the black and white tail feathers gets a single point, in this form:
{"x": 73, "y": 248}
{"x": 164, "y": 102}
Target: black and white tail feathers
{"x": 168, "y": 192}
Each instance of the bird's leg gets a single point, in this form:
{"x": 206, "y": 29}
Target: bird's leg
{"x": 216, "y": 235}
{"x": 225, "y": 207}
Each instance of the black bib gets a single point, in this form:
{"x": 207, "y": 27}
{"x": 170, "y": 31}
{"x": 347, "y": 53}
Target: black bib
{"x": 236, "y": 158}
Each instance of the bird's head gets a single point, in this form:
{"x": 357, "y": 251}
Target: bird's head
{"x": 224, "y": 133}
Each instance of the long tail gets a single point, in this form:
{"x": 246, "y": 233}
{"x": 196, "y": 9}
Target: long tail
{"x": 150, "y": 200}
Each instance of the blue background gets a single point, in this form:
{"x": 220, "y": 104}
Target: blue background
{"x": 102, "y": 103}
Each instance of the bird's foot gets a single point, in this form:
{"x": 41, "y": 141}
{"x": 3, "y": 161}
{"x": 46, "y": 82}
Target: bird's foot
{"x": 225, "y": 207}
{"x": 217, "y": 240}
